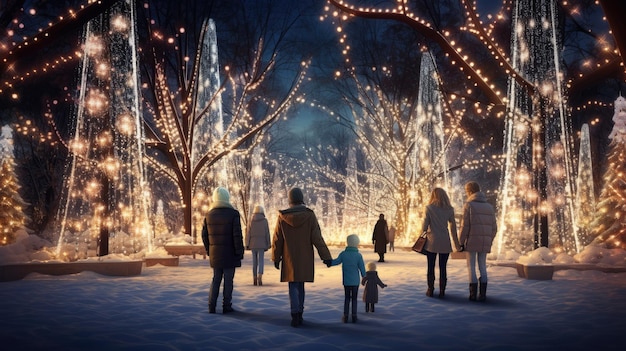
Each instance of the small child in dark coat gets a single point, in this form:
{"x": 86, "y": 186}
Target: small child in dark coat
{"x": 371, "y": 282}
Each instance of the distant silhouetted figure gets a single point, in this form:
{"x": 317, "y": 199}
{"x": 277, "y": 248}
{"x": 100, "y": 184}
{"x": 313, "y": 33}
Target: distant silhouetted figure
{"x": 392, "y": 238}
{"x": 379, "y": 237}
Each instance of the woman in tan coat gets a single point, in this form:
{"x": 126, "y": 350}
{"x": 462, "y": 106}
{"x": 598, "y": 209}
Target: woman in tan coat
{"x": 439, "y": 217}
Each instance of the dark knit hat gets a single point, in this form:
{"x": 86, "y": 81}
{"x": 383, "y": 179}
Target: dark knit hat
{"x": 295, "y": 196}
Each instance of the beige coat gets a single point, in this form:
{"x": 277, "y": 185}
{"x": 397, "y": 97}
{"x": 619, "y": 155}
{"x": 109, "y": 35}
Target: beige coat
{"x": 440, "y": 221}
{"x": 297, "y": 232}
{"x": 478, "y": 225}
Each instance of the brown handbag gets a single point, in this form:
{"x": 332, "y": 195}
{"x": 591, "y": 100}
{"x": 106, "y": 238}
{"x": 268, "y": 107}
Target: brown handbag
{"x": 420, "y": 244}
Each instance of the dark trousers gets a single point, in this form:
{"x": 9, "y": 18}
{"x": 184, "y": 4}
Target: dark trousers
{"x": 443, "y": 263}
{"x": 351, "y": 293}
{"x": 218, "y": 273}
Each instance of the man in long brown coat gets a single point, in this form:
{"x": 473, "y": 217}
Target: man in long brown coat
{"x": 297, "y": 232}
{"x": 380, "y": 237}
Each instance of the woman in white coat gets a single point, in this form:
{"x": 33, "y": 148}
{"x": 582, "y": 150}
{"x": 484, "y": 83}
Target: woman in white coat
{"x": 478, "y": 229}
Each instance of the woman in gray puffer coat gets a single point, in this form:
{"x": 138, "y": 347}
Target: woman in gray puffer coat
{"x": 478, "y": 229}
{"x": 258, "y": 240}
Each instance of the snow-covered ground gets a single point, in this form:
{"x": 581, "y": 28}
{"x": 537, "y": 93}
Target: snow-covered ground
{"x": 165, "y": 308}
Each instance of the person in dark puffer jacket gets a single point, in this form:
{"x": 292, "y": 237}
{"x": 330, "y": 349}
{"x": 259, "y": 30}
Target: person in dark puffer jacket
{"x": 223, "y": 241}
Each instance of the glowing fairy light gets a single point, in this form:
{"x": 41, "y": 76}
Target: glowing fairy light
{"x": 111, "y": 167}
{"x": 120, "y": 23}
{"x": 93, "y": 188}
{"x": 104, "y": 139}
{"x": 97, "y": 102}
{"x": 125, "y": 124}
{"x": 94, "y": 46}
{"x": 78, "y": 146}
{"x": 102, "y": 70}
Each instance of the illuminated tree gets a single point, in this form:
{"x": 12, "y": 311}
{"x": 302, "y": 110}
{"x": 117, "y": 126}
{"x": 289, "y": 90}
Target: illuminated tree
{"x": 610, "y": 222}
{"x": 532, "y": 74}
{"x": 11, "y": 203}
{"x": 245, "y": 100}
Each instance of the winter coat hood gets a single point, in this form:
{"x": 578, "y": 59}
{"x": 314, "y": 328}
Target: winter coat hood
{"x": 296, "y": 216}
{"x": 296, "y": 233}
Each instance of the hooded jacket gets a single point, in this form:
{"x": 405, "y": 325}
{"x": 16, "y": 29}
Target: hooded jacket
{"x": 352, "y": 266}
{"x": 478, "y": 225}
{"x": 258, "y": 237}
{"x": 297, "y": 232}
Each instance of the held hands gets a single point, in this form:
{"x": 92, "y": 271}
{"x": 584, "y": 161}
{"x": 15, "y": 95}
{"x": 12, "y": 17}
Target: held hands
{"x": 462, "y": 248}
{"x": 328, "y": 263}
{"x": 277, "y": 264}
{"x": 384, "y": 286}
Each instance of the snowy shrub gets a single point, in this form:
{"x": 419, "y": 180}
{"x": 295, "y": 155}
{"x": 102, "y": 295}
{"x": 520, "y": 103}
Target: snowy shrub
{"x": 542, "y": 255}
{"x": 598, "y": 254}
{"x": 564, "y": 258}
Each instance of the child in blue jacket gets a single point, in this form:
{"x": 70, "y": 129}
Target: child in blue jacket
{"x": 353, "y": 269}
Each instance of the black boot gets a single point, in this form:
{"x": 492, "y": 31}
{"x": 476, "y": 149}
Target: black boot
{"x": 483, "y": 292}
{"x": 442, "y": 288}
{"x": 372, "y": 308}
{"x": 367, "y": 307}
{"x": 300, "y": 319}
{"x": 295, "y": 320}
{"x": 354, "y": 318}
{"x": 473, "y": 287}
{"x": 431, "y": 286}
